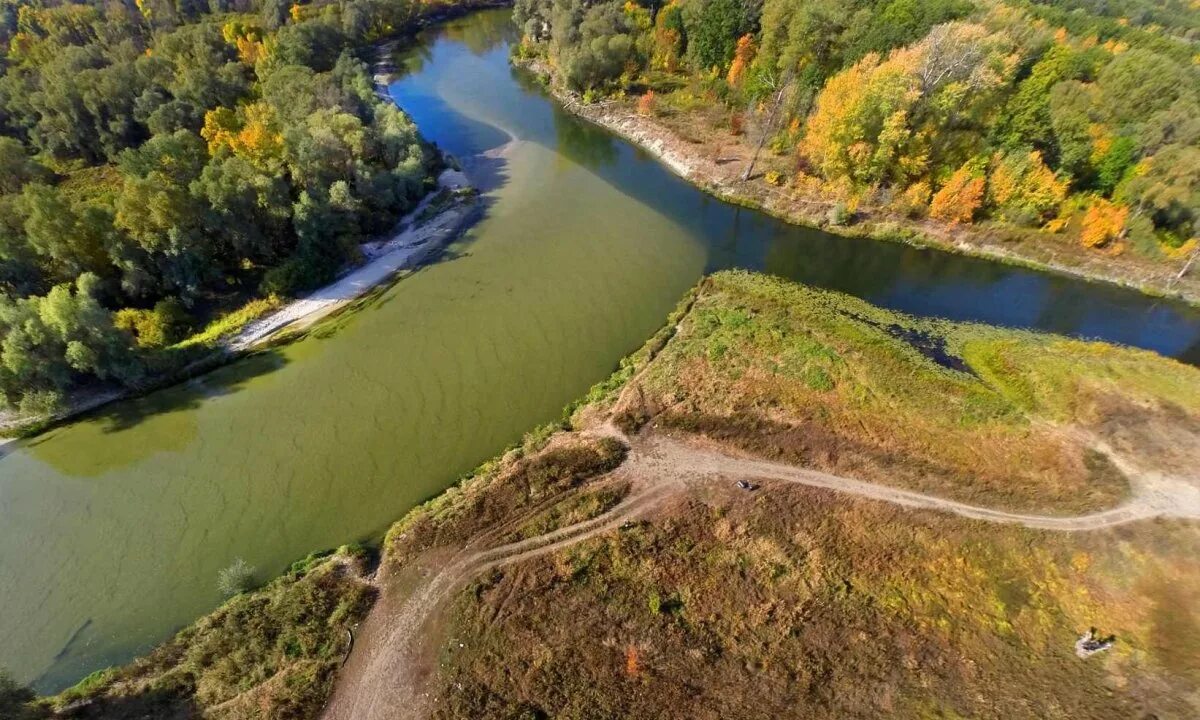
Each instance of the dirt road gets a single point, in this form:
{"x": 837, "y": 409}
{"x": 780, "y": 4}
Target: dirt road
{"x": 388, "y": 677}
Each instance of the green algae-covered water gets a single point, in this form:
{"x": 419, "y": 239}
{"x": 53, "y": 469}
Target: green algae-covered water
{"x": 113, "y": 529}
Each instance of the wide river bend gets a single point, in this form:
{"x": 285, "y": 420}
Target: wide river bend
{"x": 113, "y": 528}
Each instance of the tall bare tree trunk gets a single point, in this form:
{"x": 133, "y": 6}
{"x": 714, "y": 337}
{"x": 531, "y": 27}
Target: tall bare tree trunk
{"x": 1186, "y": 266}
{"x": 768, "y": 129}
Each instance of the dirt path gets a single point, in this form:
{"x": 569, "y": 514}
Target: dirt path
{"x": 389, "y": 677}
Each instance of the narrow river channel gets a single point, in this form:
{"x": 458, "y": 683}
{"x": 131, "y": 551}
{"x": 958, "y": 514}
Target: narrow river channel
{"x": 113, "y": 529}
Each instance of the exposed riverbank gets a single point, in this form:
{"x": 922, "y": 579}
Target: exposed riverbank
{"x": 716, "y": 167}
{"x": 423, "y": 232}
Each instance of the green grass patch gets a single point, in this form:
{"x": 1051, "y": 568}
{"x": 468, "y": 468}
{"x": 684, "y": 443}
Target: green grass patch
{"x": 231, "y": 322}
{"x": 957, "y": 409}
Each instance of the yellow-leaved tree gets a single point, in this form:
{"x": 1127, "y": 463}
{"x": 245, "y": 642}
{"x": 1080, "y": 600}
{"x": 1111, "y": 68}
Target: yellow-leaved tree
{"x": 251, "y": 132}
{"x": 874, "y": 121}
{"x": 1022, "y": 189}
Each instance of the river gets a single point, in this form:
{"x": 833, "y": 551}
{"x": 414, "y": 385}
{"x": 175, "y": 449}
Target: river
{"x": 113, "y": 528}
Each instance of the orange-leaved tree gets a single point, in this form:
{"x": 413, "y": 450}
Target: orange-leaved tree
{"x": 743, "y": 55}
{"x": 1103, "y": 222}
{"x": 645, "y": 104}
{"x": 959, "y": 199}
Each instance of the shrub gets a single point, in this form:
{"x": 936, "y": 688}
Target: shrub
{"x": 840, "y": 214}
{"x": 15, "y": 699}
{"x": 300, "y": 273}
{"x": 1103, "y": 222}
{"x": 155, "y": 328}
{"x": 645, "y": 104}
{"x": 235, "y": 579}
{"x": 914, "y": 201}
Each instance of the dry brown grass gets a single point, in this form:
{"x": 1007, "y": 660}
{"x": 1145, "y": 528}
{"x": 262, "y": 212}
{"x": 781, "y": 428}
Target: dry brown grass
{"x": 506, "y": 491}
{"x": 795, "y": 602}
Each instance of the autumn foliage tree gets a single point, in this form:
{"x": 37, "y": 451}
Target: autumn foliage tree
{"x": 876, "y": 122}
{"x": 743, "y": 55}
{"x": 668, "y": 37}
{"x": 859, "y": 127}
{"x": 960, "y": 198}
{"x": 1103, "y": 222}
{"x": 1022, "y": 189}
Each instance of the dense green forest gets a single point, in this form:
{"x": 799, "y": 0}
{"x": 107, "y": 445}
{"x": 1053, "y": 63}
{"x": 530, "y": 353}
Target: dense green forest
{"x": 163, "y": 160}
{"x": 1079, "y": 117}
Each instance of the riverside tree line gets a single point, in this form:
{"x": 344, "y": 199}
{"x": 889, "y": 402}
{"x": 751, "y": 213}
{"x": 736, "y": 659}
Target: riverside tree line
{"x": 160, "y": 159}
{"x": 1072, "y": 116}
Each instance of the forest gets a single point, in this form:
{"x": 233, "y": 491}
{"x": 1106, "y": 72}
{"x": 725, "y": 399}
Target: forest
{"x": 1072, "y": 117}
{"x": 162, "y": 161}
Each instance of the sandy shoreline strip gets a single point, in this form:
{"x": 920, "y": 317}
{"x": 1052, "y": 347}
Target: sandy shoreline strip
{"x": 410, "y": 247}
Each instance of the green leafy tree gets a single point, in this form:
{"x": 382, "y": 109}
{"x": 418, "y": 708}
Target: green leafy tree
{"x": 158, "y": 211}
{"x": 249, "y": 208}
{"x": 51, "y": 343}
{"x": 16, "y": 167}
{"x": 1168, "y": 190}
{"x": 70, "y": 242}
{"x": 1026, "y": 119}
{"x": 1115, "y": 163}
{"x": 275, "y": 13}
{"x": 1138, "y": 83}
{"x": 713, "y": 27}
{"x": 1073, "y": 112}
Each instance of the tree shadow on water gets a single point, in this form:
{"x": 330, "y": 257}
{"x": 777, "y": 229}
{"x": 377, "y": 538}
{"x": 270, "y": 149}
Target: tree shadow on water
{"x": 128, "y": 431}
{"x": 487, "y": 171}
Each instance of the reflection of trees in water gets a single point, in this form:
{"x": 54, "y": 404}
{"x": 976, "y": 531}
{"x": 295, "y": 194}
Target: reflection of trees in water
{"x": 483, "y": 31}
{"x": 582, "y": 142}
{"x": 816, "y": 258}
{"x": 527, "y": 81}
{"x": 163, "y": 421}
{"x": 1191, "y": 355}
{"x": 480, "y": 33}
{"x": 411, "y": 59}
{"x": 930, "y": 282}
